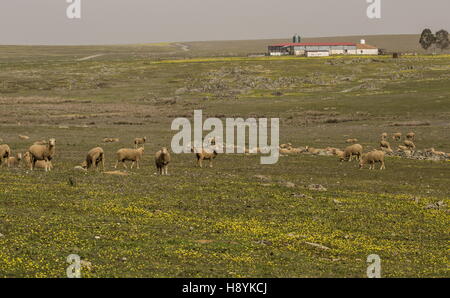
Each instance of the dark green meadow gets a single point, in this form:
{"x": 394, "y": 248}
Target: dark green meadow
{"x": 240, "y": 218}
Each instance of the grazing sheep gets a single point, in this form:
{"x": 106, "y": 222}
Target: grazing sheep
{"x": 40, "y": 164}
{"x": 349, "y": 141}
{"x": 94, "y": 157}
{"x": 139, "y": 141}
{"x": 353, "y": 151}
{"x": 411, "y": 136}
{"x": 384, "y": 136}
{"x": 134, "y": 155}
{"x": 14, "y": 161}
{"x": 5, "y": 152}
{"x": 340, "y": 154}
{"x": 397, "y": 136}
{"x": 42, "y": 152}
{"x": 372, "y": 158}
{"x": 110, "y": 140}
{"x": 201, "y": 156}
{"x": 385, "y": 146}
{"x": 162, "y": 160}
{"x": 402, "y": 148}
{"x": 434, "y": 152}
{"x": 409, "y": 144}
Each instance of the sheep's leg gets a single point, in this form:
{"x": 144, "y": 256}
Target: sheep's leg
{"x": 117, "y": 163}
{"x": 167, "y": 170}
{"x": 137, "y": 163}
{"x": 124, "y": 165}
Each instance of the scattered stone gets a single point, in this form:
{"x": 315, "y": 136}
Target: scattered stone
{"x": 117, "y": 173}
{"x": 316, "y": 187}
{"x": 204, "y": 241}
{"x": 437, "y": 205}
{"x": 289, "y": 184}
{"x": 262, "y": 177}
{"x": 318, "y": 245}
{"x": 265, "y": 242}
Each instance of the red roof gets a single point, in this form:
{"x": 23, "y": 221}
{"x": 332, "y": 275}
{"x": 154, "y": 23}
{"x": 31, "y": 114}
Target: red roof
{"x": 315, "y": 44}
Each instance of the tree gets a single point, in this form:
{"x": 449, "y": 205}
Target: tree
{"x": 427, "y": 39}
{"x": 442, "y": 41}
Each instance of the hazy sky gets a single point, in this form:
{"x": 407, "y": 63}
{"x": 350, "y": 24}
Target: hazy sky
{"x": 139, "y": 21}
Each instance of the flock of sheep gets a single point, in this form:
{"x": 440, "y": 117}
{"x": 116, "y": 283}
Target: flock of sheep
{"x": 41, "y": 153}
{"x": 355, "y": 151}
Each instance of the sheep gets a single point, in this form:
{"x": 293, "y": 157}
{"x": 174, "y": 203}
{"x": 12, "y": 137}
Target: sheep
{"x": 340, "y": 154}
{"x": 139, "y": 141}
{"x": 384, "y": 136}
{"x": 409, "y": 144}
{"x": 203, "y": 155}
{"x": 134, "y": 155}
{"x": 434, "y": 152}
{"x": 353, "y": 150}
{"x": 402, "y": 148}
{"x": 94, "y": 157}
{"x": 372, "y": 158}
{"x": 349, "y": 141}
{"x": 5, "y": 152}
{"x": 162, "y": 160}
{"x": 14, "y": 161}
{"x": 42, "y": 152}
{"x": 397, "y": 136}
{"x": 40, "y": 164}
{"x": 385, "y": 146}
{"x": 110, "y": 140}
{"x": 411, "y": 136}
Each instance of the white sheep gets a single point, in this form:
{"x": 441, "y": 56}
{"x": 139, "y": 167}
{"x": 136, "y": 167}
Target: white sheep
{"x": 40, "y": 164}
{"x": 162, "y": 160}
{"x": 139, "y": 141}
{"x": 353, "y": 151}
{"x": 133, "y": 155}
{"x": 42, "y": 152}
{"x": 94, "y": 157}
{"x": 14, "y": 161}
{"x": 372, "y": 158}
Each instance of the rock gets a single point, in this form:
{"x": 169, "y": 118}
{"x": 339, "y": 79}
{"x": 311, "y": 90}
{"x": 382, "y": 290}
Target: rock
{"x": 316, "y": 187}
{"x": 86, "y": 265}
{"x": 262, "y": 177}
{"x": 289, "y": 184}
{"x": 318, "y": 245}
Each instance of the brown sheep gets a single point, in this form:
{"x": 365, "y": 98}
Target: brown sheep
{"x": 411, "y": 136}
{"x": 5, "y": 152}
{"x": 201, "y": 156}
{"x": 42, "y": 152}
{"x": 162, "y": 160}
{"x": 353, "y": 151}
{"x": 94, "y": 157}
{"x": 14, "y": 161}
{"x": 372, "y": 158}
{"x": 110, "y": 140}
{"x": 134, "y": 155}
{"x": 409, "y": 144}
{"x": 139, "y": 141}
{"x": 397, "y": 136}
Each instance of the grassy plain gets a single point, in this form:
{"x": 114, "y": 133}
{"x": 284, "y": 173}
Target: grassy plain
{"x": 240, "y": 218}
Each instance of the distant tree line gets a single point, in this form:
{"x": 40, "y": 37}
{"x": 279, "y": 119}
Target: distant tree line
{"x": 439, "y": 40}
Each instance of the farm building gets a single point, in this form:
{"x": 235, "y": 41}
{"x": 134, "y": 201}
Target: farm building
{"x": 322, "y": 49}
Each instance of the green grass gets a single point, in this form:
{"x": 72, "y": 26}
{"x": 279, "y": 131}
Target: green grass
{"x": 224, "y": 221}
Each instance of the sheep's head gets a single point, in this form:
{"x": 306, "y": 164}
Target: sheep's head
{"x": 145, "y": 139}
{"x": 164, "y": 150}
{"x": 52, "y": 142}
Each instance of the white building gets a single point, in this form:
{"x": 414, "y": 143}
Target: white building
{"x": 322, "y": 49}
